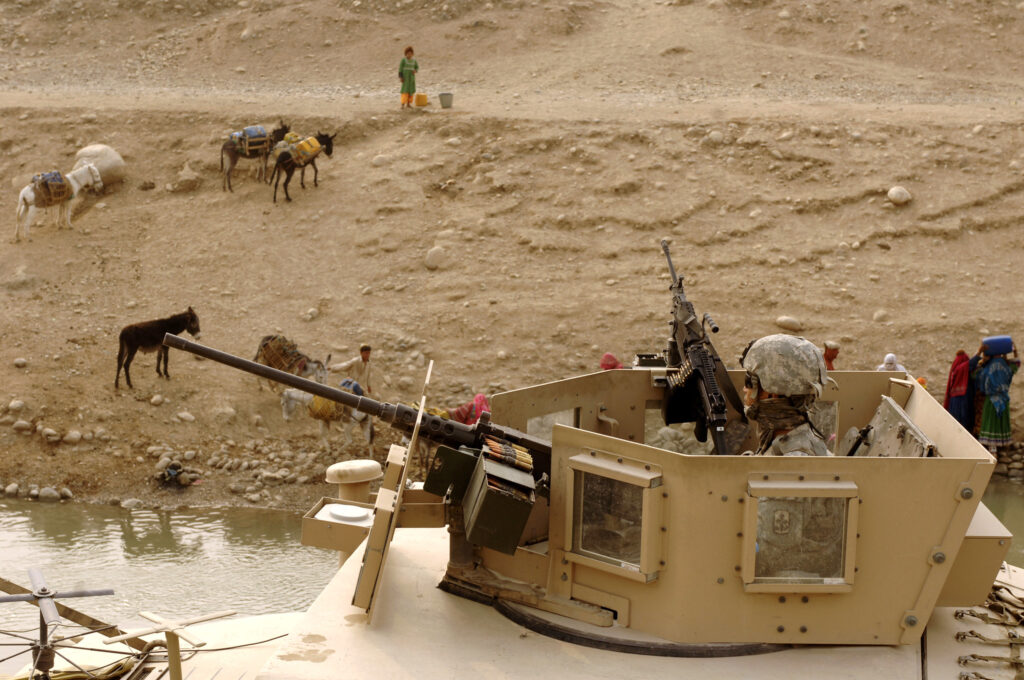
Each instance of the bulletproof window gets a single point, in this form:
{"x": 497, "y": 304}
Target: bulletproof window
{"x": 615, "y": 515}
{"x": 799, "y": 536}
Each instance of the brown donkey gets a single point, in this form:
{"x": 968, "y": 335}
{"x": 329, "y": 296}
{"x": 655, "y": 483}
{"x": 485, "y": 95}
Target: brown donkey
{"x": 149, "y": 337}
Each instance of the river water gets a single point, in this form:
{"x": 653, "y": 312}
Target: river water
{"x": 183, "y": 564}
{"x": 176, "y": 564}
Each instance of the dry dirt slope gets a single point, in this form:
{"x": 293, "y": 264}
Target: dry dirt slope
{"x": 760, "y": 137}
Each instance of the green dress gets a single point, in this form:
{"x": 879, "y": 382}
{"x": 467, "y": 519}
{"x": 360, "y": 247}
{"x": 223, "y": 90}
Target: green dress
{"x": 408, "y": 69}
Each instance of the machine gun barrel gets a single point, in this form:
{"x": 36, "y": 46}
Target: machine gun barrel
{"x": 435, "y": 428}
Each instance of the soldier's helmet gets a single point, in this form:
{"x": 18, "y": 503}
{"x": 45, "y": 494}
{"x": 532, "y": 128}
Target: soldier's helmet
{"x": 786, "y": 365}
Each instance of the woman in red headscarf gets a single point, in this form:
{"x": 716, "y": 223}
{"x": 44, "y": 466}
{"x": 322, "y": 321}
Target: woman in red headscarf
{"x": 609, "y": 362}
{"x": 959, "y": 399}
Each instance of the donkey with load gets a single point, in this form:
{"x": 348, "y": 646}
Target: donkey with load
{"x": 281, "y": 353}
{"x": 299, "y": 155}
{"x": 53, "y": 189}
{"x": 250, "y": 142}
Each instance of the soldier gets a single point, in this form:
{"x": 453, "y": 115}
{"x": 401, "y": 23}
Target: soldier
{"x": 785, "y": 376}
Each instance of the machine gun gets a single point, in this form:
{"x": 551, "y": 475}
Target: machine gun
{"x": 701, "y": 390}
{"x": 435, "y": 428}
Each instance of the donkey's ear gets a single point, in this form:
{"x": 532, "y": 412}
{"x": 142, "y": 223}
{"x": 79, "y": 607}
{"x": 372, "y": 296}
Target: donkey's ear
{"x": 334, "y": 135}
{"x": 190, "y": 310}
{"x": 327, "y": 361}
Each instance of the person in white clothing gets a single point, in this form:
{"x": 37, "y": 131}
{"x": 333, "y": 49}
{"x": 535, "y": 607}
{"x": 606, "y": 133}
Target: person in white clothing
{"x": 358, "y": 368}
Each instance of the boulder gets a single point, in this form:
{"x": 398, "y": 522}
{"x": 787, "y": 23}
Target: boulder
{"x": 899, "y": 196}
{"x": 188, "y": 180}
{"x": 11, "y": 490}
{"x": 789, "y": 323}
{"x": 435, "y": 258}
{"x": 131, "y": 504}
{"x": 106, "y": 159}
{"x": 65, "y": 493}
{"x": 49, "y": 495}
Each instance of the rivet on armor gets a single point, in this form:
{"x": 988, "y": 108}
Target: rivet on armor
{"x": 967, "y": 492}
{"x": 781, "y": 629}
{"x": 939, "y": 557}
{"x": 721, "y": 580}
{"x": 910, "y": 620}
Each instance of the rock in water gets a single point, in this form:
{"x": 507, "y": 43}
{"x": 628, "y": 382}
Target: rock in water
{"x": 899, "y": 196}
{"x": 789, "y": 323}
{"x": 107, "y": 161}
{"x": 49, "y": 495}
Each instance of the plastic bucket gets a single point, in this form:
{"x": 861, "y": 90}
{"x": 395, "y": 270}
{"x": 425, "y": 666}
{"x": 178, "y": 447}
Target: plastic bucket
{"x": 421, "y": 99}
{"x": 998, "y": 344}
{"x": 446, "y": 99}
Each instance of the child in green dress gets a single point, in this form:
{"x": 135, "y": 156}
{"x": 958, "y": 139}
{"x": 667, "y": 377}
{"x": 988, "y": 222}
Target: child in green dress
{"x": 407, "y": 74}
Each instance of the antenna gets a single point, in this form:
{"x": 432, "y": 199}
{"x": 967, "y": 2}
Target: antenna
{"x": 44, "y": 650}
{"x": 172, "y": 630}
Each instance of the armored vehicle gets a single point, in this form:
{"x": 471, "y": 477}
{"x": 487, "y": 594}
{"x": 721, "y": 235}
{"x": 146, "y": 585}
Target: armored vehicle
{"x": 551, "y": 539}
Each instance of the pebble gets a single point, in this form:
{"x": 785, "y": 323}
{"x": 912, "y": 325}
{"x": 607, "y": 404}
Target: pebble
{"x": 20, "y": 362}
{"x": 453, "y": 141}
{"x": 225, "y": 413}
{"x": 380, "y": 160}
{"x": 11, "y": 490}
{"x": 186, "y": 417}
{"x": 16, "y": 405}
{"x": 880, "y": 315}
{"x": 253, "y": 497}
{"x": 310, "y": 314}
{"x": 157, "y": 399}
{"x": 789, "y": 323}
{"x": 72, "y": 437}
{"x": 502, "y": 354}
{"x": 49, "y": 495}
{"x": 65, "y": 493}
{"x": 715, "y": 137}
{"x": 131, "y": 504}
{"x": 435, "y": 258}
{"x": 51, "y": 435}
{"x": 190, "y": 455}
{"x": 899, "y": 196}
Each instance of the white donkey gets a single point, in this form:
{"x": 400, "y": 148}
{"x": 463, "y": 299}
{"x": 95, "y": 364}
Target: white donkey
{"x": 326, "y": 411}
{"x": 85, "y": 176}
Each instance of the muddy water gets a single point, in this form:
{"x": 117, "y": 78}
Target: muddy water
{"x": 180, "y": 564}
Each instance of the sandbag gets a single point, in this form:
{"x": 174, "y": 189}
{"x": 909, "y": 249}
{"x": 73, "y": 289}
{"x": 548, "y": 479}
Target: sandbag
{"x": 107, "y": 161}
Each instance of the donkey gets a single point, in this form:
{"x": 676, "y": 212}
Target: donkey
{"x": 262, "y": 153}
{"x": 281, "y": 353}
{"x": 326, "y": 412}
{"x": 149, "y": 336}
{"x": 290, "y": 159}
{"x": 31, "y": 198}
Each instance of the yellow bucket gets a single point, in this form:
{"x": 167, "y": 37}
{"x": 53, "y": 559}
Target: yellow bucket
{"x": 421, "y": 99}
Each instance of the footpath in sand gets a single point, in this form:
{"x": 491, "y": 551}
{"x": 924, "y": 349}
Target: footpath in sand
{"x": 761, "y": 138}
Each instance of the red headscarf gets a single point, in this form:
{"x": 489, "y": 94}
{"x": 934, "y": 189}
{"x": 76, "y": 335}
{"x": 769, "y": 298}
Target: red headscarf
{"x": 959, "y": 372}
{"x": 608, "y": 362}
{"x": 470, "y": 412}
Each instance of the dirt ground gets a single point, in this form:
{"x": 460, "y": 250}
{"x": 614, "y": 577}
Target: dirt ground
{"x": 761, "y": 137}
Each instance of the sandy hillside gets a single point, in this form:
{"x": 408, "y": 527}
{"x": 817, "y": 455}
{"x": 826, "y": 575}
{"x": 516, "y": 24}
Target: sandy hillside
{"x": 760, "y": 137}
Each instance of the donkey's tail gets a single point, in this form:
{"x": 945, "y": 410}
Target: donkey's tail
{"x": 222, "y": 159}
